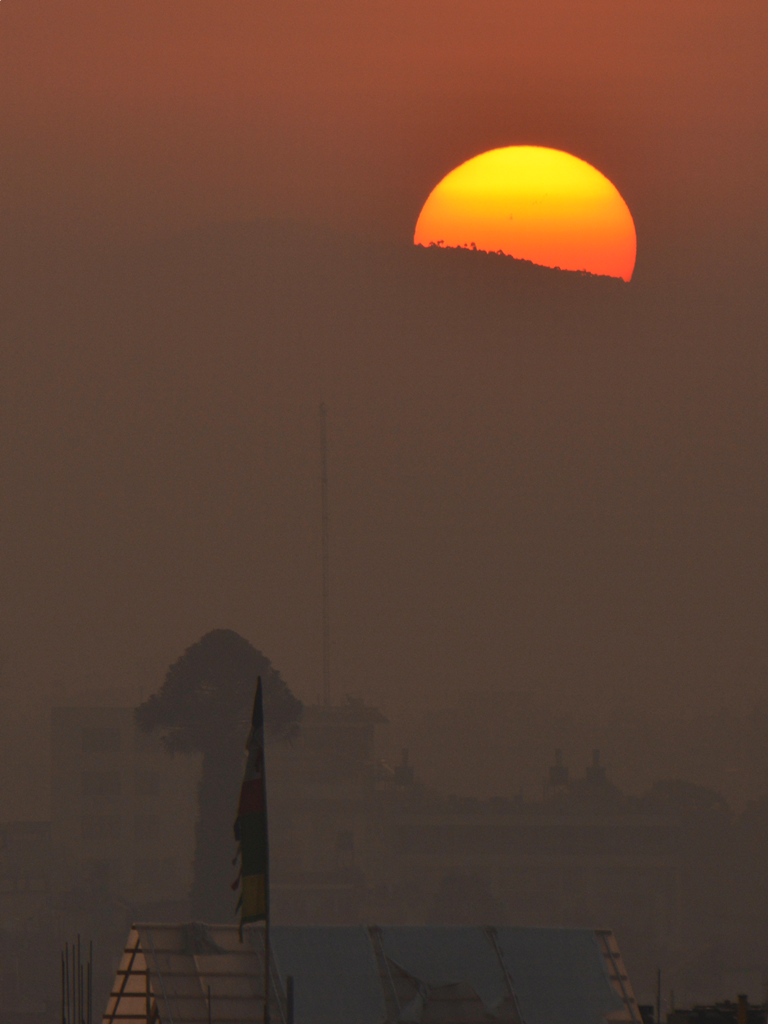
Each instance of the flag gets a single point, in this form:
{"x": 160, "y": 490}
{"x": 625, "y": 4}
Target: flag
{"x": 251, "y": 825}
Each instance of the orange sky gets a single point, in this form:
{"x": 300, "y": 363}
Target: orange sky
{"x": 508, "y": 503}
{"x": 143, "y": 114}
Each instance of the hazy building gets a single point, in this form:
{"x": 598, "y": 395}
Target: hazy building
{"x": 324, "y": 837}
{"x": 123, "y": 810}
{"x": 356, "y": 837}
{"x": 26, "y": 863}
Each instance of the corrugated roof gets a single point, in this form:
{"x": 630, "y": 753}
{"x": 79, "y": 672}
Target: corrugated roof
{"x": 335, "y": 972}
{"x": 194, "y": 973}
{"x": 560, "y": 976}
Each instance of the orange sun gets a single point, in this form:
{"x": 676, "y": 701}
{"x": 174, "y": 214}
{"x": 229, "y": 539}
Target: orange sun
{"x": 535, "y": 204}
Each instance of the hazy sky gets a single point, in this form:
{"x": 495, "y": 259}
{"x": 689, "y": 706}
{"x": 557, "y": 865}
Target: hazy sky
{"x": 142, "y": 115}
{"x": 566, "y": 496}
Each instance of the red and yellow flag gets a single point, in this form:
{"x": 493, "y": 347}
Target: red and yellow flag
{"x": 251, "y": 825}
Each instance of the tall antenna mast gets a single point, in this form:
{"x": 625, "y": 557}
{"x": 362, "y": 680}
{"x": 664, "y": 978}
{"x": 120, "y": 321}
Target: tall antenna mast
{"x": 324, "y": 506}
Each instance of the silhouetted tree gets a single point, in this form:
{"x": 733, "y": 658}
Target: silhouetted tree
{"x": 205, "y": 705}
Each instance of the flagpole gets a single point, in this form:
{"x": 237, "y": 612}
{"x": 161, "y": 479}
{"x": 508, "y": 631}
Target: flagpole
{"x": 266, "y": 968}
{"x": 252, "y": 838}
{"x": 267, "y": 901}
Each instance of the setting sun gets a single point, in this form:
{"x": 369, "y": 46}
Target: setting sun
{"x": 535, "y": 204}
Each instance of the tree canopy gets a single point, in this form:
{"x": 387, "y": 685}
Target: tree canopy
{"x": 205, "y": 705}
{"x": 207, "y": 696}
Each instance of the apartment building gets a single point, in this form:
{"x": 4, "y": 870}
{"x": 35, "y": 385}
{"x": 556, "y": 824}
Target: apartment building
{"x": 123, "y": 810}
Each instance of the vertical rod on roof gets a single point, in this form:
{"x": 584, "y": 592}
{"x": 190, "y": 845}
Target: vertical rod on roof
{"x": 73, "y": 1018}
{"x": 658, "y": 995}
{"x": 63, "y": 1010}
{"x": 66, "y": 975}
{"x": 289, "y": 999}
{"x": 325, "y": 553}
{"x": 79, "y": 984}
{"x": 90, "y": 982}
{"x": 266, "y": 966}
{"x": 209, "y": 1005}
{"x": 147, "y": 991}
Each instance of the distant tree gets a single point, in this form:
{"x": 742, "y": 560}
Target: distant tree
{"x": 205, "y": 705}
{"x": 675, "y": 796}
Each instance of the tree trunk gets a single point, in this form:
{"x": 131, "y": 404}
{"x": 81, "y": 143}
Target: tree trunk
{"x": 212, "y": 898}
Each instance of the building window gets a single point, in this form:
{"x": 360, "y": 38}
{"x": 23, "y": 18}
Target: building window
{"x": 99, "y": 829}
{"x": 98, "y": 873}
{"x": 146, "y": 827}
{"x": 154, "y": 873}
{"x": 100, "y": 740}
{"x": 147, "y": 783}
{"x": 345, "y": 849}
{"x": 100, "y": 783}
{"x": 345, "y": 842}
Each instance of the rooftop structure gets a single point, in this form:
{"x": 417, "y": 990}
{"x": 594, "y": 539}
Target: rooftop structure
{"x": 185, "y": 974}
